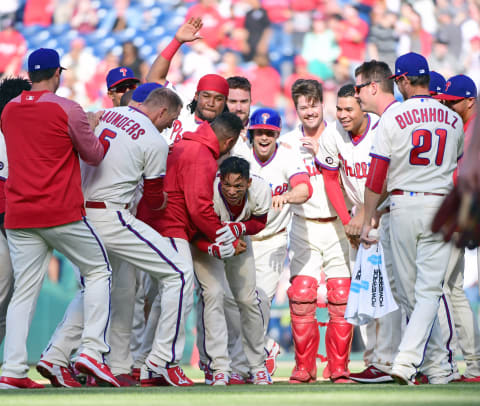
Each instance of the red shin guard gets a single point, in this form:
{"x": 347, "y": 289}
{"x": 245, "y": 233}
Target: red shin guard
{"x": 339, "y": 335}
{"x": 302, "y": 296}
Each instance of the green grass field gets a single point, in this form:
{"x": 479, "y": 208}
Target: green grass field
{"x": 279, "y": 394}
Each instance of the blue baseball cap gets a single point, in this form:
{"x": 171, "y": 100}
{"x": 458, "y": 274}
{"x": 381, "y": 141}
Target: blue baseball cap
{"x": 458, "y": 87}
{"x": 411, "y": 64}
{"x": 43, "y": 58}
{"x": 141, "y": 92}
{"x": 119, "y": 75}
{"x": 437, "y": 83}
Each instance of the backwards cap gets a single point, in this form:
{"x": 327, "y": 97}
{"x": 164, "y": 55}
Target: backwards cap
{"x": 213, "y": 82}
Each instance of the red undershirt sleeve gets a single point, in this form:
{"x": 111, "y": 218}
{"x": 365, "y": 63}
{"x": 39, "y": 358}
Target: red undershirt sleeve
{"x": 377, "y": 174}
{"x": 153, "y": 193}
{"x": 335, "y": 195}
{"x": 302, "y": 178}
{"x": 255, "y": 224}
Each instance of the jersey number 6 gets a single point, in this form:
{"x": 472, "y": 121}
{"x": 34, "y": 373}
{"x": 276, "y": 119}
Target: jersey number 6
{"x": 422, "y": 142}
{"x": 105, "y": 138}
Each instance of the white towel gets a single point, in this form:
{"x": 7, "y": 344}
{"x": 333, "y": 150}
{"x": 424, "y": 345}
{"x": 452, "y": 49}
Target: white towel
{"x": 370, "y": 295}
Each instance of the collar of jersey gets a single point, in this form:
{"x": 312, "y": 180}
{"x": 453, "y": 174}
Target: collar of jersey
{"x": 364, "y": 133}
{"x": 137, "y": 110}
{"x": 421, "y": 96}
{"x": 262, "y": 164}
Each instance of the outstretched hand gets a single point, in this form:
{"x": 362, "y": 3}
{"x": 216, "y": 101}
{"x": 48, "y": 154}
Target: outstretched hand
{"x": 188, "y": 31}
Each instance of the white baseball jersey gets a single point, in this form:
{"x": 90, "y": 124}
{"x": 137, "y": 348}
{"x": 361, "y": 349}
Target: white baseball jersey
{"x": 3, "y": 158}
{"x": 318, "y": 206}
{"x": 277, "y": 171}
{"x": 128, "y": 133}
{"x": 337, "y": 150}
{"x": 186, "y": 121}
{"x": 422, "y": 139}
{"x": 257, "y": 200}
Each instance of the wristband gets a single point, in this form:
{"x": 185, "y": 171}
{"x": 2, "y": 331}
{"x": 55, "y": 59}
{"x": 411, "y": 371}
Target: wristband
{"x": 171, "y": 49}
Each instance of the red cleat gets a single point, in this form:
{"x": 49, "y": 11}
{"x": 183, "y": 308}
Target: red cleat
{"x": 174, "y": 375}
{"x": 371, "y": 375}
{"x": 126, "y": 380}
{"x": 6, "y": 382}
{"x": 59, "y": 376}
{"x": 271, "y": 360}
{"x": 101, "y": 372}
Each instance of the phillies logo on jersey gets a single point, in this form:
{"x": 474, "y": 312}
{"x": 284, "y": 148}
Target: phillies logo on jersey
{"x": 177, "y": 131}
{"x": 265, "y": 117}
{"x": 358, "y": 170}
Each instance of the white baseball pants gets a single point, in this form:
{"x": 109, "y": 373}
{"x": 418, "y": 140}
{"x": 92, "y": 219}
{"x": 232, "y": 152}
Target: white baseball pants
{"x": 31, "y": 250}
{"x": 6, "y": 283}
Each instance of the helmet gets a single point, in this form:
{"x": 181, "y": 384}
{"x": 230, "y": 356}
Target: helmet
{"x": 264, "y": 118}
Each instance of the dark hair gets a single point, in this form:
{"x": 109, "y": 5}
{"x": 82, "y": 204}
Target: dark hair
{"x": 11, "y": 88}
{"x": 239, "y": 82}
{"x": 40, "y": 75}
{"x": 227, "y": 125}
{"x": 126, "y": 97}
{"x": 192, "y": 106}
{"x": 423, "y": 81}
{"x": 235, "y": 164}
{"x": 163, "y": 96}
{"x": 346, "y": 91}
{"x": 310, "y": 88}
{"x": 376, "y": 71}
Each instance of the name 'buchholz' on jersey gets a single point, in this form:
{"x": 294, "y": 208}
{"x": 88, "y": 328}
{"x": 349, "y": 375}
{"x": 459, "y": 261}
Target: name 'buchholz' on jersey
{"x": 123, "y": 122}
{"x": 425, "y": 115}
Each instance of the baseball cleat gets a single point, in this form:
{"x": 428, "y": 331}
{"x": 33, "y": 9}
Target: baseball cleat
{"x": 236, "y": 379}
{"x": 271, "y": 360}
{"x": 220, "y": 379}
{"x": 101, "y": 372}
{"x": 300, "y": 375}
{"x": 262, "y": 377}
{"x": 151, "y": 378}
{"x": 174, "y": 375}
{"x": 371, "y": 375}
{"x": 207, "y": 372}
{"x": 473, "y": 379}
{"x": 7, "y": 382}
{"x": 136, "y": 374}
{"x": 59, "y": 376}
{"x": 126, "y": 380}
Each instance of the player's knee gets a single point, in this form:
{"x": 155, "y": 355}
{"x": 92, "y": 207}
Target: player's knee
{"x": 337, "y": 297}
{"x": 213, "y": 295}
{"x": 302, "y": 295}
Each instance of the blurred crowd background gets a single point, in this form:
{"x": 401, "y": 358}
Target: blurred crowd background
{"x": 271, "y": 42}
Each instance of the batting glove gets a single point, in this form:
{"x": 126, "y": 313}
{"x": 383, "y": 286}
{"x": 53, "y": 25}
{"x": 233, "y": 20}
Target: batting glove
{"x": 230, "y": 232}
{"x": 221, "y": 251}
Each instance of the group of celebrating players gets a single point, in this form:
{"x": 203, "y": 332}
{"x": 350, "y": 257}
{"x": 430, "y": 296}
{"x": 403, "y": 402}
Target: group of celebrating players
{"x": 171, "y": 195}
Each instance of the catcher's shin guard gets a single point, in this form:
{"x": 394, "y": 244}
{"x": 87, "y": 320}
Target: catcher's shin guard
{"x": 339, "y": 335}
{"x": 302, "y": 295}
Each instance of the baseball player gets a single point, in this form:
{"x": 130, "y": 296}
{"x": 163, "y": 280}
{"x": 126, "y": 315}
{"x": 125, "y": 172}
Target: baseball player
{"x": 437, "y": 83}
{"x": 135, "y": 150}
{"x": 119, "y": 81}
{"x": 374, "y": 90}
{"x": 317, "y": 240}
{"x": 459, "y": 94}
{"x": 9, "y": 89}
{"x": 246, "y": 201}
{"x": 43, "y": 133}
{"x": 419, "y": 144}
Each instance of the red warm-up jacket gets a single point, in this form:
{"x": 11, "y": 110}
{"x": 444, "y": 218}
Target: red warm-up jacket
{"x": 191, "y": 169}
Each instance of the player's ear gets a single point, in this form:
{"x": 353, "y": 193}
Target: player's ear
{"x": 249, "y": 183}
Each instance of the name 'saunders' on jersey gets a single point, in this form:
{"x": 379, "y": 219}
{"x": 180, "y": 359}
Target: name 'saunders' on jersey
{"x": 125, "y": 123}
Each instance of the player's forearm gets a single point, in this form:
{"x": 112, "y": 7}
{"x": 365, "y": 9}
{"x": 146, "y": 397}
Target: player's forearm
{"x": 255, "y": 224}
{"x": 299, "y": 194}
{"x": 160, "y": 67}
{"x": 371, "y": 202}
{"x": 335, "y": 195}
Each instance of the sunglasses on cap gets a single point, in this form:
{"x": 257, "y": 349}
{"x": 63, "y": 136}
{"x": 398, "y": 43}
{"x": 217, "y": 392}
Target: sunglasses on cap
{"x": 124, "y": 87}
